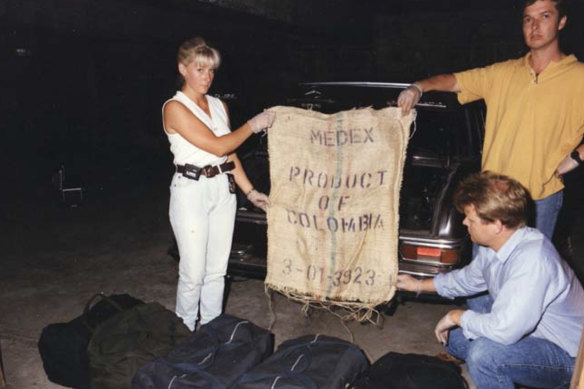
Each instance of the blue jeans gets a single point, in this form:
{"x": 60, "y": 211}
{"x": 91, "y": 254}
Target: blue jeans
{"x": 530, "y": 362}
{"x": 546, "y": 213}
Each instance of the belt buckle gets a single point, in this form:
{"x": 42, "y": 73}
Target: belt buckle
{"x": 191, "y": 171}
{"x": 210, "y": 171}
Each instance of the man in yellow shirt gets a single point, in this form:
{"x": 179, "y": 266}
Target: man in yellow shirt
{"x": 534, "y": 109}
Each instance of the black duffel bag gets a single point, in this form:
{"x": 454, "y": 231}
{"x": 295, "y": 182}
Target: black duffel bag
{"x": 213, "y": 358}
{"x": 308, "y": 362}
{"x": 129, "y": 340}
{"x": 63, "y": 346}
{"x": 410, "y": 371}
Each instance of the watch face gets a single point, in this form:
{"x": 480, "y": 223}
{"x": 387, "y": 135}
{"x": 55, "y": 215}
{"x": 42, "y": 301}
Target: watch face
{"x": 576, "y": 156}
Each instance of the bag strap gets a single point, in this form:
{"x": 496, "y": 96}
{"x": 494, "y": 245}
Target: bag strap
{"x": 315, "y": 341}
{"x": 304, "y": 380}
{"x": 217, "y": 345}
{"x": 293, "y": 373}
{"x": 209, "y": 354}
{"x": 91, "y": 302}
{"x": 196, "y": 369}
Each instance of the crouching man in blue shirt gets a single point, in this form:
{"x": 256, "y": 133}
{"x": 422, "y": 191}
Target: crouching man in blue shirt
{"x": 527, "y": 328}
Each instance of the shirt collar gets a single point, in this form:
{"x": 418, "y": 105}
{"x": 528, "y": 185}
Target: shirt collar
{"x": 509, "y": 246}
{"x": 568, "y": 59}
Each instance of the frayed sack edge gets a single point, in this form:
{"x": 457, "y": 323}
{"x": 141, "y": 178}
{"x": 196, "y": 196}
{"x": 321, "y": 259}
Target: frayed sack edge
{"x": 344, "y": 310}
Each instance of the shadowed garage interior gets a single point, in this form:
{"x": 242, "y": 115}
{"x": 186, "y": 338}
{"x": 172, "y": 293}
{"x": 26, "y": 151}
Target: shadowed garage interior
{"x": 82, "y": 86}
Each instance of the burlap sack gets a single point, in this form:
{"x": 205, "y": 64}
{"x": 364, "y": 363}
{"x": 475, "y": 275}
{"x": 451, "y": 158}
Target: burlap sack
{"x": 333, "y": 222}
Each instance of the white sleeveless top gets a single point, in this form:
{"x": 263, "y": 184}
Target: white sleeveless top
{"x": 186, "y": 152}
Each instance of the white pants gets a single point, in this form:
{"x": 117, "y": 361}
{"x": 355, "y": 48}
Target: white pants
{"x": 202, "y": 215}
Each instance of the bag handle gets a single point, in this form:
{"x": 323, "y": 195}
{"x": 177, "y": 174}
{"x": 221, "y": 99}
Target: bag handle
{"x": 91, "y": 302}
{"x": 309, "y": 344}
{"x": 304, "y": 380}
{"x": 231, "y": 343}
{"x": 209, "y": 352}
{"x": 200, "y": 371}
{"x": 297, "y": 374}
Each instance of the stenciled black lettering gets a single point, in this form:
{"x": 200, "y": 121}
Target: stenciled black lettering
{"x": 291, "y": 220}
{"x": 294, "y": 172}
{"x": 348, "y": 225}
{"x": 323, "y": 202}
{"x": 364, "y": 222}
{"x": 342, "y": 201}
{"x": 303, "y": 219}
{"x": 322, "y": 180}
{"x": 342, "y": 137}
{"x": 368, "y": 135}
{"x": 347, "y": 276}
{"x": 332, "y": 224}
{"x": 348, "y": 183}
{"x": 308, "y": 174}
{"x": 315, "y": 223}
{"x": 381, "y": 176}
{"x": 355, "y": 136}
{"x": 378, "y": 222}
{"x": 363, "y": 176}
{"x": 315, "y": 135}
{"x": 329, "y": 138}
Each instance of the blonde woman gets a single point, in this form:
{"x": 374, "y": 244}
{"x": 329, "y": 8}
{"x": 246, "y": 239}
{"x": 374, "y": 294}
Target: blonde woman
{"x": 202, "y": 192}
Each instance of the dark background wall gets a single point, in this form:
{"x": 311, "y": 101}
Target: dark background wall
{"x": 83, "y": 81}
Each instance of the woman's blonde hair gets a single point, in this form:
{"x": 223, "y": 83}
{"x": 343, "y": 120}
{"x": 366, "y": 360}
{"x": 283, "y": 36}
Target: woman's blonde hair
{"x": 196, "y": 50}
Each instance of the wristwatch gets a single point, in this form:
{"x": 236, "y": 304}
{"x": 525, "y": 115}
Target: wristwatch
{"x": 576, "y": 156}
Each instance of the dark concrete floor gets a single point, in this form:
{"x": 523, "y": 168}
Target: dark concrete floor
{"x": 55, "y": 257}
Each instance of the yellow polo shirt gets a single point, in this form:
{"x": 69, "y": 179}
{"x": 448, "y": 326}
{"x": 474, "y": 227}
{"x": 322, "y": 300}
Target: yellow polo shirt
{"x": 533, "y": 121}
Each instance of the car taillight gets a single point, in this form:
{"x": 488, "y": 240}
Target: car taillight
{"x": 413, "y": 252}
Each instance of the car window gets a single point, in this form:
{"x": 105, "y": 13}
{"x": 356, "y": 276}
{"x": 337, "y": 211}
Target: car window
{"x": 439, "y": 133}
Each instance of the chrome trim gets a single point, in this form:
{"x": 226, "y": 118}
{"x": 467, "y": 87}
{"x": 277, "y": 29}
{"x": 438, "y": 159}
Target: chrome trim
{"x": 418, "y": 270}
{"x": 432, "y": 104}
{"x": 359, "y": 83}
{"x": 431, "y": 242}
{"x": 428, "y": 262}
{"x": 368, "y": 84}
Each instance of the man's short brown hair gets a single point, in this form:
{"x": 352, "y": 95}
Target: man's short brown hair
{"x": 560, "y": 6}
{"x": 494, "y": 197}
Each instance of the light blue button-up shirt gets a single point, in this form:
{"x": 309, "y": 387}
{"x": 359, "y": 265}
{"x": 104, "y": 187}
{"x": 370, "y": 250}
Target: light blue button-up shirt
{"x": 535, "y": 292}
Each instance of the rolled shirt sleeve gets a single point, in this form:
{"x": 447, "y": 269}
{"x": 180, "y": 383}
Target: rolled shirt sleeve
{"x": 466, "y": 281}
{"x": 474, "y": 84}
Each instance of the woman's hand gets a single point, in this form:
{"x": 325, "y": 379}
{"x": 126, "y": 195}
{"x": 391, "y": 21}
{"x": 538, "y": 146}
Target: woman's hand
{"x": 262, "y": 121}
{"x": 259, "y": 199}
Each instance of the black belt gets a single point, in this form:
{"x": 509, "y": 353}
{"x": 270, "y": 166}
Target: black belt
{"x": 194, "y": 172}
